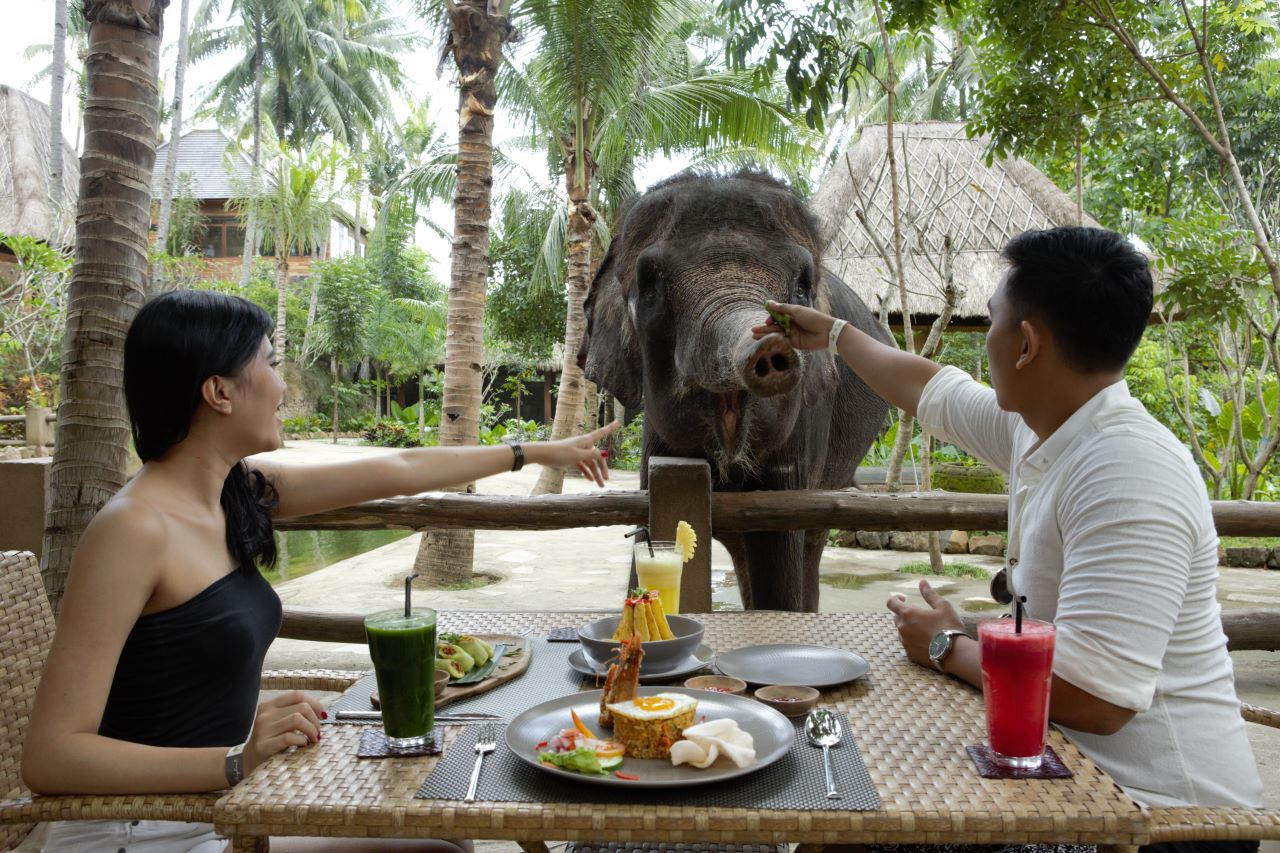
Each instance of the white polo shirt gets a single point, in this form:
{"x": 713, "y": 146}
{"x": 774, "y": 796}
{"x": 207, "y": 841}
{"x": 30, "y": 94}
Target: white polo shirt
{"x": 1111, "y": 538}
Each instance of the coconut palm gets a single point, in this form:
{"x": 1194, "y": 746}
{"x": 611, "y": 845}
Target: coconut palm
{"x": 108, "y": 279}
{"x": 295, "y": 212}
{"x": 56, "y": 84}
{"x": 613, "y": 80}
{"x": 175, "y": 139}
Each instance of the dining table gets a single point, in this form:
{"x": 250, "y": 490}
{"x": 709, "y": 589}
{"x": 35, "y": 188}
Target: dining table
{"x": 910, "y": 725}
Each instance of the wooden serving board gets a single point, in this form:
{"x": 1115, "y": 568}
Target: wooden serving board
{"x": 513, "y": 664}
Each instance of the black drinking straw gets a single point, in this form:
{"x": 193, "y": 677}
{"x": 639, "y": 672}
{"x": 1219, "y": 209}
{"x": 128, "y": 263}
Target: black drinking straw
{"x": 1017, "y": 613}
{"x": 408, "y": 594}
{"x": 637, "y": 532}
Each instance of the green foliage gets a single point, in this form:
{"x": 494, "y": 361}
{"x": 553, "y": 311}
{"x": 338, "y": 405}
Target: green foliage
{"x": 186, "y": 224}
{"x": 951, "y": 570}
{"x": 525, "y": 307}
{"x": 400, "y": 267}
{"x": 32, "y": 311}
{"x": 630, "y": 445}
{"x": 391, "y": 434}
{"x": 344, "y": 290}
{"x": 305, "y": 424}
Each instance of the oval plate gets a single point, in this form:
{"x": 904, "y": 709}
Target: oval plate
{"x": 792, "y": 663}
{"x": 772, "y": 733}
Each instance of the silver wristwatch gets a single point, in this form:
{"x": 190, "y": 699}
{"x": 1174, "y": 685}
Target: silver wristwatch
{"x": 233, "y": 766}
{"x": 941, "y": 645}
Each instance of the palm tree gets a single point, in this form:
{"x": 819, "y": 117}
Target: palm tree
{"x": 613, "y": 80}
{"x": 295, "y": 212}
{"x": 175, "y": 139}
{"x": 476, "y": 31}
{"x": 108, "y": 279}
{"x": 57, "y": 81}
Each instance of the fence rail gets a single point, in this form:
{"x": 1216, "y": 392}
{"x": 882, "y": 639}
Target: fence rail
{"x": 37, "y": 428}
{"x": 730, "y": 511}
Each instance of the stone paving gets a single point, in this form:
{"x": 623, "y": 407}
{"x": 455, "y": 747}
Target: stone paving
{"x": 587, "y": 568}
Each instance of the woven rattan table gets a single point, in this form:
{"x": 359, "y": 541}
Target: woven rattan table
{"x": 912, "y": 726}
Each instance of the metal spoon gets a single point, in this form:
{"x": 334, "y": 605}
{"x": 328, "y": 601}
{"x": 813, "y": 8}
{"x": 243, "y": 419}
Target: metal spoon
{"x": 824, "y": 730}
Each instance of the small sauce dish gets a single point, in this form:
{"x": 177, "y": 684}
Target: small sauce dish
{"x": 718, "y": 683}
{"x": 792, "y": 700}
{"x": 442, "y": 680}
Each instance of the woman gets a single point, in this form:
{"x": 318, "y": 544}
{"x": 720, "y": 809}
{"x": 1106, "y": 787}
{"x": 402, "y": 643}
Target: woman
{"x": 153, "y": 673}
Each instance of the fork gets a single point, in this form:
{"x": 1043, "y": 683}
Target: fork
{"x": 486, "y": 742}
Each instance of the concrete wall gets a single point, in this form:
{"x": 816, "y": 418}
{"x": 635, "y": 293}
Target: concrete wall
{"x": 22, "y": 489}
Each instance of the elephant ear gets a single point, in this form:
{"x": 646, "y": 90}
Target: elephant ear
{"x": 609, "y": 354}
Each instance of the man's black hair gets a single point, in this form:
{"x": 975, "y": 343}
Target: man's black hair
{"x": 1089, "y": 285}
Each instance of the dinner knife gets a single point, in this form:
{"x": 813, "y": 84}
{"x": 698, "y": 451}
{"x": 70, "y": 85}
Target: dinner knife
{"x": 376, "y": 716}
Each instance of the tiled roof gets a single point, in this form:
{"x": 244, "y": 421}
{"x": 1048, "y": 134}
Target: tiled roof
{"x": 24, "y": 171}
{"x": 218, "y": 168}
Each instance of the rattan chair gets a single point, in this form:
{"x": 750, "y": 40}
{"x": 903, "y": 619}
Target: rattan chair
{"x": 26, "y": 630}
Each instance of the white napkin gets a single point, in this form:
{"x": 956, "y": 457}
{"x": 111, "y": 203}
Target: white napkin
{"x": 705, "y": 742}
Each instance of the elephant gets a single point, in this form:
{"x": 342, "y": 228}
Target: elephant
{"x": 668, "y": 325}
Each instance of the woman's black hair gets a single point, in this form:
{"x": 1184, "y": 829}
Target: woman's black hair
{"x": 177, "y": 341}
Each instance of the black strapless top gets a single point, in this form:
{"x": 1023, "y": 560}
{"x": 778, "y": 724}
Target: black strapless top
{"x": 189, "y": 676}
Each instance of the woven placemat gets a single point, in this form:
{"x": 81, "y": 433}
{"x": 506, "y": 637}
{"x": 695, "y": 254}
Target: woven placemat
{"x": 795, "y": 781}
{"x": 548, "y": 676}
{"x": 373, "y": 744}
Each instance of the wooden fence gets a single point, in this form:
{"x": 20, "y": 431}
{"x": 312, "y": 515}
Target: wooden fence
{"x": 37, "y": 428}
{"x": 681, "y": 489}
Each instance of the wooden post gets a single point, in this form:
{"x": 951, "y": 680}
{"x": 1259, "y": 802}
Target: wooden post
{"x": 680, "y": 490}
{"x": 39, "y": 429}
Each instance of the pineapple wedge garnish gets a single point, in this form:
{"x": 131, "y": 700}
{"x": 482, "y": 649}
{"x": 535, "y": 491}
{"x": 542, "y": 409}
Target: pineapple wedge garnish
{"x": 686, "y": 541}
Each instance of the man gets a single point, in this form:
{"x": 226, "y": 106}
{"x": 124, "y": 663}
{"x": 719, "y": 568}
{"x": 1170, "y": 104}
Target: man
{"x": 1111, "y": 537}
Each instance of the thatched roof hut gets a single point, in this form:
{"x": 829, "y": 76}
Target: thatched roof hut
{"x": 24, "y": 171}
{"x": 946, "y": 190}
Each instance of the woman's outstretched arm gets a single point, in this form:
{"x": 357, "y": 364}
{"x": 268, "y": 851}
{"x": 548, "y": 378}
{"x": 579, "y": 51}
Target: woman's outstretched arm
{"x": 306, "y": 489}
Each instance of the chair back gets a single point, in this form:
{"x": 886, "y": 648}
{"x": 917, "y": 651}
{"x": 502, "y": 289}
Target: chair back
{"x": 26, "y": 631}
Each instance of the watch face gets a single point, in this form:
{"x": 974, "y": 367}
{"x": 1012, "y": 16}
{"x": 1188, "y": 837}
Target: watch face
{"x": 938, "y": 645}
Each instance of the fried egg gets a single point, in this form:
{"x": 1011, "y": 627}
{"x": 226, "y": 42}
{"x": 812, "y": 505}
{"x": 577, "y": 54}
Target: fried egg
{"x": 664, "y": 706}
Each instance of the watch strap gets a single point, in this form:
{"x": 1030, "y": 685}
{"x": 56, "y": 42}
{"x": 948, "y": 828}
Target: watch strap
{"x": 833, "y": 338}
{"x": 518, "y": 462}
{"x": 233, "y": 765}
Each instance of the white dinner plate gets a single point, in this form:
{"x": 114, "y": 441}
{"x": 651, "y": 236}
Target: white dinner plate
{"x": 700, "y": 659}
{"x": 772, "y": 734}
{"x": 792, "y": 663}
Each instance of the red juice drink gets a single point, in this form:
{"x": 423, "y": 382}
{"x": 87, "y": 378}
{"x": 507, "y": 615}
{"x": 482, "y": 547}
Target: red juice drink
{"x": 1017, "y": 672}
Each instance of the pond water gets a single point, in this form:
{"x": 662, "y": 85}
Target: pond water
{"x": 304, "y": 551}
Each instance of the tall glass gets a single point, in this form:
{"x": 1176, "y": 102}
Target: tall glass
{"x": 660, "y": 570}
{"x": 1017, "y": 673}
{"x": 403, "y": 649}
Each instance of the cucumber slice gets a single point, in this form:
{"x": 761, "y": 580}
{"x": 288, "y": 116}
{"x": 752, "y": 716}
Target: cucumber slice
{"x": 611, "y": 763}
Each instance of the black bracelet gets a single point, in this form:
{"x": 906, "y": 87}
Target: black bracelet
{"x": 518, "y": 462}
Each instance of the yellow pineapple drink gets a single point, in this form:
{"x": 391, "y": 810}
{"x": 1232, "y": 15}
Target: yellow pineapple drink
{"x": 660, "y": 571}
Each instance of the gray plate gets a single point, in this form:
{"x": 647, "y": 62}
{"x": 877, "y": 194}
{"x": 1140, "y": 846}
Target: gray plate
{"x": 792, "y": 663}
{"x": 772, "y": 733}
{"x": 700, "y": 659}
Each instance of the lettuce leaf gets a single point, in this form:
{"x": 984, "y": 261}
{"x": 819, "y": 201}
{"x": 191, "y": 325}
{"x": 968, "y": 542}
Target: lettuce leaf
{"x": 581, "y": 760}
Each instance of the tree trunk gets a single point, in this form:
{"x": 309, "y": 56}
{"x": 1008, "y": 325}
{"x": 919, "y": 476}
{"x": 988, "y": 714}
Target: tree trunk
{"x": 334, "y": 364}
{"x": 572, "y": 383}
{"x": 171, "y": 163}
{"x": 475, "y": 40}
{"x": 422, "y": 407}
{"x": 57, "y": 81}
{"x": 255, "y": 170}
{"x": 282, "y": 286}
{"x": 926, "y": 484}
{"x": 313, "y": 304}
{"x": 359, "y": 182}
{"x": 108, "y": 279}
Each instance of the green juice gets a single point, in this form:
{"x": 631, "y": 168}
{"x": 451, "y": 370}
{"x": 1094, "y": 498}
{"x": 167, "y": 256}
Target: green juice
{"x": 404, "y": 660}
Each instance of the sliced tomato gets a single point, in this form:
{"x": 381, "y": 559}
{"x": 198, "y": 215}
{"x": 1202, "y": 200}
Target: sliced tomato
{"x": 610, "y": 749}
{"x": 626, "y": 777}
{"x": 541, "y": 745}
{"x": 577, "y": 724}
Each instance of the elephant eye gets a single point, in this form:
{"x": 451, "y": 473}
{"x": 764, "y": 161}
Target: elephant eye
{"x": 804, "y": 286}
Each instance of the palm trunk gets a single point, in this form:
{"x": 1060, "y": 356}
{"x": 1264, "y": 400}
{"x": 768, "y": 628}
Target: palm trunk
{"x": 569, "y": 398}
{"x": 313, "y": 304}
{"x": 57, "y": 81}
{"x": 355, "y": 150}
{"x": 282, "y": 286}
{"x": 446, "y": 556}
{"x": 422, "y": 406}
{"x": 108, "y": 280}
{"x": 334, "y": 364}
{"x": 255, "y": 171}
{"x": 171, "y": 163}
